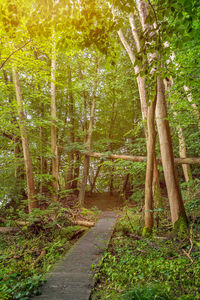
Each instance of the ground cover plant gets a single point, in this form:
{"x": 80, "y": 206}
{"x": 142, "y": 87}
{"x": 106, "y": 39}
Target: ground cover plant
{"x": 162, "y": 266}
{"x": 28, "y": 254}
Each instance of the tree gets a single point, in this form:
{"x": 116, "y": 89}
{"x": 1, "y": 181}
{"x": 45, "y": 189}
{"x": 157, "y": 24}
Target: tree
{"x": 89, "y": 138}
{"x": 32, "y": 203}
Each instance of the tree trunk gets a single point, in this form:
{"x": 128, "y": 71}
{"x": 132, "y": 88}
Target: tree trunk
{"x": 140, "y": 80}
{"x": 32, "y": 203}
{"x": 69, "y": 179}
{"x": 111, "y": 181}
{"x": 19, "y": 172}
{"x": 85, "y": 123}
{"x": 54, "y": 147}
{"x": 157, "y": 196}
{"x": 173, "y": 189}
{"x": 125, "y": 189}
{"x": 183, "y": 154}
{"x": 42, "y": 136}
{"x": 151, "y": 140}
{"x": 86, "y": 157}
{"x": 96, "y": 176}
{"x": 76, "y": 173}
{"x": 88, "y": 144}
{"x": 42, "y": 158}
{"x": 178, "y": 161}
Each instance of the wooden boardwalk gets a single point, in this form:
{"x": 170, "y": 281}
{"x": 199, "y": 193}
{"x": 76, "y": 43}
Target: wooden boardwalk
{"x": 72, "y": 278}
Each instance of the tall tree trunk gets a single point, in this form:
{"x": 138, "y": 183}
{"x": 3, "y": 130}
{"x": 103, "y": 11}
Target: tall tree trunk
{"x": 76, "y": 173}
{"x": 17, "y": 151}
{"x": 85, "y": 123}
{"x": 54, "y": 147}
{"x": 89, "y": 140}
{"x": 151, "y": 140}
{"x": 110, "y": 135}
{"x": 42, "y": 159}
{"x": 42, "y": 134}
{"x": 125, "y": 190}
{"x": 96, "y": 176}
{"x": 157, "y": 196}
{"x": 142, "y": 92}
{"x": 183, "y": 153}
{"x": 111, "y": 181}
{"x": 175, "y": 199}
{"x": 32, "y": 203}
{"x": 177, "y": 209}
{"x": 69, "y": 178}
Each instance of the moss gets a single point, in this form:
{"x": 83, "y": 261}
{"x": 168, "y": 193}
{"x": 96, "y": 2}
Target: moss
{"x": 146, "y": 232}
{"x": 181, "y": 225}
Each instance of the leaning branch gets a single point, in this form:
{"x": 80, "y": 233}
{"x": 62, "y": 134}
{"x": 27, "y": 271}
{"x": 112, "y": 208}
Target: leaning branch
{"x": 12, "y": 53}
{"x": 194, "y": 160}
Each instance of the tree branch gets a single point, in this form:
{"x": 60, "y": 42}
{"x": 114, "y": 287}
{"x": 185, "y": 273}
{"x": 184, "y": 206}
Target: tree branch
{"x": 14, "y": 53}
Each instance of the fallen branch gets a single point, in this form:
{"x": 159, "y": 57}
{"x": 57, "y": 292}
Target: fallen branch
{"x": 82, "y": 223}
{"x": 191, "y": 247}
{"x": 74, "y": 222}
{"x": 194, "y": 160}
{"x": 21, "y": 223}
{"x": 42, "y": 254}
{"x": 188, "y": 255}
{"x": 77, "y": 233}
{"x": 9, "y": 229}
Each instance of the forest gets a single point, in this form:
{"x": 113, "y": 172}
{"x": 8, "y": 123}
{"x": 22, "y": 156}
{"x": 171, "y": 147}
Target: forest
{"x": 100, "y": 110}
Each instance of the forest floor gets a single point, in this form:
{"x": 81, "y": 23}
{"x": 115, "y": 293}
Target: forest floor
{"x": 27, "y": 254}
{"x": 104, "y": 201}
{"x": 164, "y": 266}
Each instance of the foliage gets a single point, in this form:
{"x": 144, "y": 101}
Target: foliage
{"x": 153, "y": 268}
{"x": 29, "y": 254}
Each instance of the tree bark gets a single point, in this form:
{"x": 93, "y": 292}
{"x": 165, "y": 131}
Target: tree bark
{"x": 69, "y": 178}
{"x": 126, "y": 187}
{"x": 183, "y": 154}
{"x": 173, "y": 189}
{"x": 89, "y": 140}
{"x": 32, "y": 203}
{"x": 96, "y": 176}
{"x": 54, "y": 147}
{"x": 42, "y": 158}
{"x": 151, "y": 140}
{"x": 85, "y": 123}
{"x": 76, "y": 173}
{"x": 178, "y": 161}
{"x": 140, "y": 82}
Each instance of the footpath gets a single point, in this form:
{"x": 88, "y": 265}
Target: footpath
{"x": 72, "y": 278}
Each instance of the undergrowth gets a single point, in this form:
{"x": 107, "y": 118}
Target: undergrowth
{"x": 26, "y": 256}
{"x": 162, "y": 266}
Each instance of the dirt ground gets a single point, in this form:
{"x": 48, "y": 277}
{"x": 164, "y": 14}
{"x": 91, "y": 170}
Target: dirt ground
{"x": 104, "y": 201}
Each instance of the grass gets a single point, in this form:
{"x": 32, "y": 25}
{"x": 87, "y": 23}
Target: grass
{"x": 158, "y": 267}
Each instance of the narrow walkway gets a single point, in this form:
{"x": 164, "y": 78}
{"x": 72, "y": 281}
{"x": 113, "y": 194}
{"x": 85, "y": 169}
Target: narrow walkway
{"x": 72, "y": 279}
